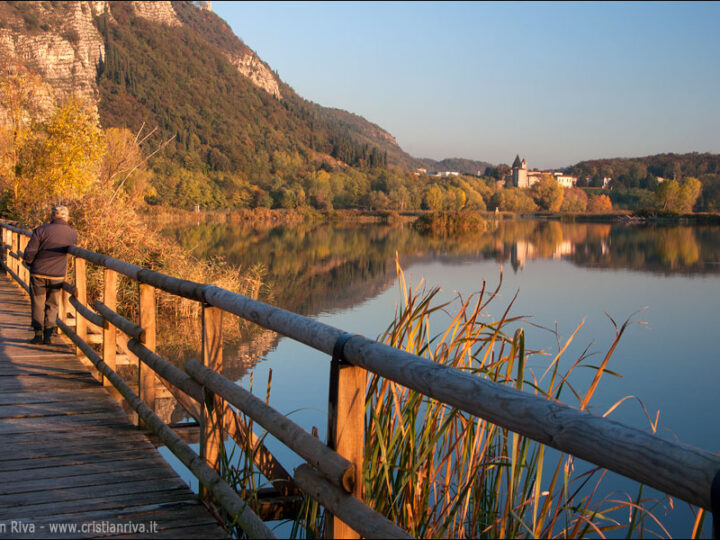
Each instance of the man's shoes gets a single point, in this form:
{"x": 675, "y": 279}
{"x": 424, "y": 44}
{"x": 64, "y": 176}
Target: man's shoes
{"x": 38, "y": 338}
{"x": 47, "y": 336}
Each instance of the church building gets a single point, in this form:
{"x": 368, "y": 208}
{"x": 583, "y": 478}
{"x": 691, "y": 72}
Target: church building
{"x": 523, "y": 178}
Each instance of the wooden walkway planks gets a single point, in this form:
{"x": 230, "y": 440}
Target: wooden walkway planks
{"x": 72, "y": 465}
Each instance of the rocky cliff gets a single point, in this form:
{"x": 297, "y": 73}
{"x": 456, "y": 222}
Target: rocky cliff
{"x": 257, "y": 71}
{"x": 64, "y": 49}
{"x": 158, "y": 12}
{"x": 60, "y": 42}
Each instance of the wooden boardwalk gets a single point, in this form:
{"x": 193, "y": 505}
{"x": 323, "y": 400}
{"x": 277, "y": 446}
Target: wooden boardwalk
{"x": 70, "y": 456}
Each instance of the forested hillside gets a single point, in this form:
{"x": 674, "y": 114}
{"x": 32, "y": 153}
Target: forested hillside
{"x": 219, "y": 123}
{"x": 634, "y": 180}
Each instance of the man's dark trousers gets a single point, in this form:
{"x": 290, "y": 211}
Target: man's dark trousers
{"x": 45, "y": 300}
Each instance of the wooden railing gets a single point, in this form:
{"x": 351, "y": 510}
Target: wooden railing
{"x": 333, "y": 473}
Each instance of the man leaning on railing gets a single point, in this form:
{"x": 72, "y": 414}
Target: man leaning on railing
{"x": 46, "y": 256}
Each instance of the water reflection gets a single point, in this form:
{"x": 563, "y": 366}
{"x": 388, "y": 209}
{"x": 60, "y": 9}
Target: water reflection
{"x": 333, "y": 266}
{"x": 668, "y": 363}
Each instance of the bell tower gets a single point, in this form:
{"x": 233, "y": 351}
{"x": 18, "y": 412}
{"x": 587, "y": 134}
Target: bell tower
{"x": 519, "y": 172}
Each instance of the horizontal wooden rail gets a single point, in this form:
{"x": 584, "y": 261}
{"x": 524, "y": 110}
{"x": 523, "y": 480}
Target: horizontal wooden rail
{"x": 251, "y": 524}
{"x": 185, "y": 389}
{"x": 129, "y": 327}
{"x": 70, "y": 288}
{"x": 167, "y": 371}
{"x": 332, "y": 465}
{"x": 121, "y": 267}
{"x": 16, "y": 229}
{"x": 674, "y": 468}
{"x": 365, "y": 520}
{"x": 90, "y": 315}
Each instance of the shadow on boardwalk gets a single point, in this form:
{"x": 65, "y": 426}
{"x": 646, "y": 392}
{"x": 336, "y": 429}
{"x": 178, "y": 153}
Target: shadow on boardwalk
{"x": 72, "y": 463}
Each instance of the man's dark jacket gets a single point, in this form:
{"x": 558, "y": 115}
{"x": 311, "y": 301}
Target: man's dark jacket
{"x": 47, "y": 249}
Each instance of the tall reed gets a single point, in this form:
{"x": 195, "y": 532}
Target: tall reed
{"x": 440, "y": 472}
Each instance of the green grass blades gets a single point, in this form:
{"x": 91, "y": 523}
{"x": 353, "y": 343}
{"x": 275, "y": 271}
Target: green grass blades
{"x": 439, "y": 472}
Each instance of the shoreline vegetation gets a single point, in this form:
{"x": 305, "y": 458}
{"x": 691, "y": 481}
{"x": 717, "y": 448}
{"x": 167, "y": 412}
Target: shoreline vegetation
{"x": 460, "y": 220}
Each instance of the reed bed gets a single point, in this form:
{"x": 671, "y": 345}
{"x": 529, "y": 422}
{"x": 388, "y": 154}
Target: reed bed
{"x": 442, "y": 473}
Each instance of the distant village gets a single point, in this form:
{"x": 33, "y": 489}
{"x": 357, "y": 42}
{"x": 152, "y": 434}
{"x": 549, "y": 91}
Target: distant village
{"x": 524, "y": 178}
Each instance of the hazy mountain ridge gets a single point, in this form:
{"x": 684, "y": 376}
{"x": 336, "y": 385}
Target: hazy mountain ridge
{"x": 461, "y": 165}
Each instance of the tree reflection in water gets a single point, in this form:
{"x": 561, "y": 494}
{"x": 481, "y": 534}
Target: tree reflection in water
{"x": 315, "y": 268}
{"x": 323, "y": 268}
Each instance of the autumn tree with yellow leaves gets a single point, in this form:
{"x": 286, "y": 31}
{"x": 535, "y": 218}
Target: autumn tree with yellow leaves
{"x": 547, "y": 193}
{"x": 20, "y": 100}
{"x": 59, "y": 161}
{"x": 48, "y": 157}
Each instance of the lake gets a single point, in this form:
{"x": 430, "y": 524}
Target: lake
{"x": 665, "y": 278}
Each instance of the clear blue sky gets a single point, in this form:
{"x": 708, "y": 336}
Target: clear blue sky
{"x": 555, "y": 82}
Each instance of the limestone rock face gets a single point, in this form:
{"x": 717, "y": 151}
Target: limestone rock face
{"x": 65, "y": 56}
{"x": 100, "y": 7}
{"x": 159, "y": 12}
{"x": 66, "y": 53}
{"x": 258, "y": 72}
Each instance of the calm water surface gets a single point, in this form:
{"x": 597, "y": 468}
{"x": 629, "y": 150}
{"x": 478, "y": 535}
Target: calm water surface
{"x": 665, "y": 278}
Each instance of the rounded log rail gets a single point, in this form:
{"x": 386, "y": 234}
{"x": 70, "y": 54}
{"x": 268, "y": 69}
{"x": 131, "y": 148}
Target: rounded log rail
{"x": 90, "y": 315}
{"x": 336, "y": 468}
{"x": 677, "y": 469}
{"x": 129, "y": 327}
{"x": 167, "y": 371}
{"x": 371, "y": 524}
{"x": 253, "y": 526}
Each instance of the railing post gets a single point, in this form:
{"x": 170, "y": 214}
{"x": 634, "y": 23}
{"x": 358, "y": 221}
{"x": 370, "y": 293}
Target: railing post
{"x": 211, "y": 436}
{"x": 4, "y": 251}
{"x": 16, "y": 249}
{"x": 9, "y": 242}
{"x": 80, "y": 322}
{"x": 23, "y": 272}
{"x": 81, "y": 286}
{"x": 18, "y": 262}
{"x": 147, "y": 382}
{"x": 109, "y": 331}
{"x": 346, "y": 429}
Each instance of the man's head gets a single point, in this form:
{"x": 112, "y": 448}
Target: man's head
{"x": 60, "y": 212}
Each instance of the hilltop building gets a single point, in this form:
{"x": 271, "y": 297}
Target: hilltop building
{"x": 523, "y": 178}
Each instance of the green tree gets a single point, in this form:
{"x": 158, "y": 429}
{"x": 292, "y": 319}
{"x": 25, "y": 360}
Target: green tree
{"x": 378, "y": 200}
{"x": 400, "y": 198}
{"x": 667, "y": 196}
{"x": 689, "y": 193}
{"x": 454, "y": 199}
